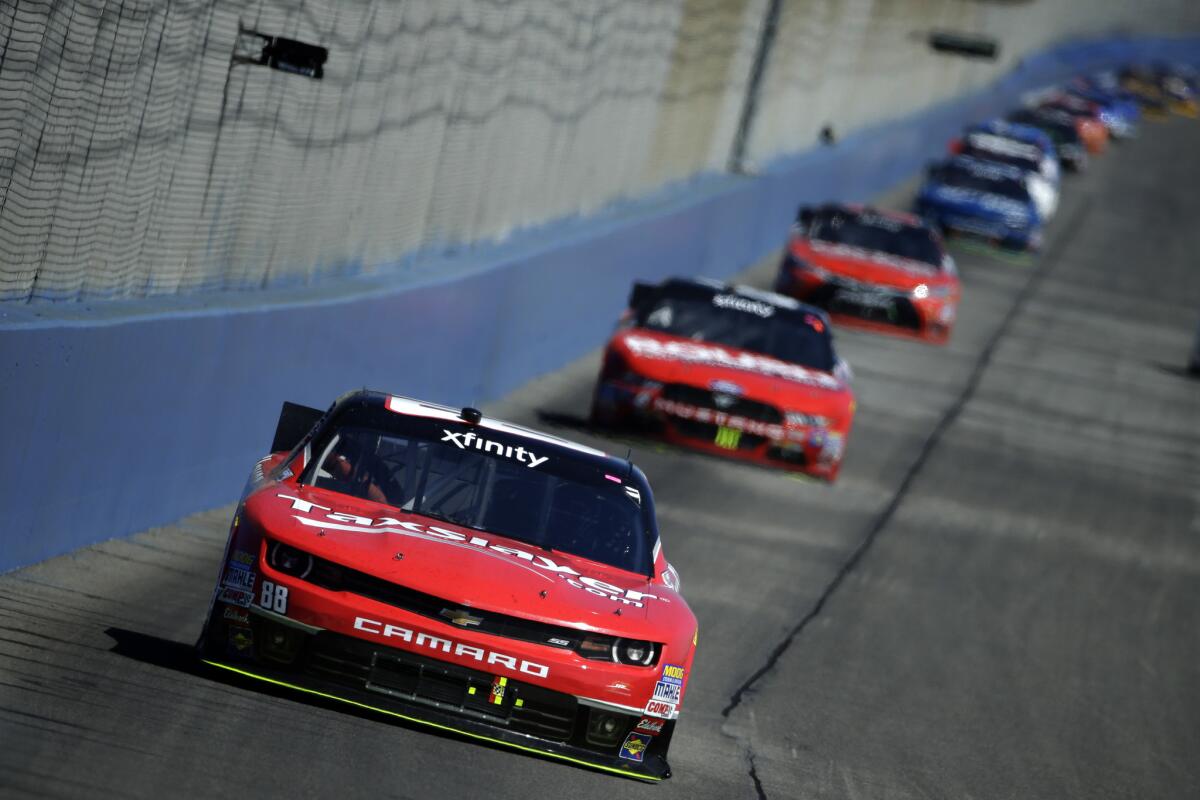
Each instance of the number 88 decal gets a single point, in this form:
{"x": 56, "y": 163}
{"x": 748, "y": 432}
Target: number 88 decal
{"x": 273, "y": 597}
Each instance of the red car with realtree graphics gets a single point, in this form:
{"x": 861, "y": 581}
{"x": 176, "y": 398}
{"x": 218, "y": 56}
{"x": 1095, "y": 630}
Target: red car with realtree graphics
{"x": 728, "y": 370}
{"x": 449, "y": 569}
{"x": 878, "y": 270}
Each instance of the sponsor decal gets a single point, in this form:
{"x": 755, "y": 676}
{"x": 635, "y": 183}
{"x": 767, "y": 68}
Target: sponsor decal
{"x": 703, "y": 353}
{"x": 727, "y": 438}
{"x": 634, "y": 747}
{"x": 662, "y": 710}
{"x": 470, "y": 440}
{"x": 352, "y": 523}
{"x": 629, "y": 597}
{"x": 241, "y": 559}
{"x": 239, "y": 578}
{"x": 745, "y": 304}
{"x": 236, "y": 596}
{"x": 429, "y": 641}
{"x": 240, "y": 617}
{"x": 731, "y": 422}
{"x": 879, "y": 257}
{"x": 650, "y": 727}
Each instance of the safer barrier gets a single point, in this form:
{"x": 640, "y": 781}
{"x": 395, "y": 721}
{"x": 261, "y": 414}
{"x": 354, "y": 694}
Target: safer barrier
{"x": 123, "y": 418}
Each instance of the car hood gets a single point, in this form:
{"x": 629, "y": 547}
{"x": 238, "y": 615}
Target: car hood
{"x": 466, "y": 567}
{"x": 673, "y": 359}
{"x": 867, "y": 266}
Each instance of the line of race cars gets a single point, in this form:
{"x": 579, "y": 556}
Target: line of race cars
{"x": 445, "y": 568}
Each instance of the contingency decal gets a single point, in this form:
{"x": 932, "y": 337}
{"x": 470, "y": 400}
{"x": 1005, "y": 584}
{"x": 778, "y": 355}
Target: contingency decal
{"x": 634, "y": 747}
{"x": 239, "y": 578}
{"x": 664, "y": 703}
{"x": 650, "y": 727}
{"x": 236, "y": 596}
{"x": 237, "y": 584}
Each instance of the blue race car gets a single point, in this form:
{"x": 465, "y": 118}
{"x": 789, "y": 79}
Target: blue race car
{"x": 981, "y": 198}
{"x": 1022, "y": 133}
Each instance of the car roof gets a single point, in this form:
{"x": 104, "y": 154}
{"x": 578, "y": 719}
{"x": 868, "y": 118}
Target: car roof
{"x": 987, "y": 169}
{"x": 866, "y": 208}
{"x": 708, "y": 288}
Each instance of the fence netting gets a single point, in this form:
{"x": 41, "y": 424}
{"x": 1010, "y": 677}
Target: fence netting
{"x": 140, "y": 154}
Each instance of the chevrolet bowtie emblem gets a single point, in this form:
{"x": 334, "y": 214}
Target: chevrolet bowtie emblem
{"x": 460, "y": 617}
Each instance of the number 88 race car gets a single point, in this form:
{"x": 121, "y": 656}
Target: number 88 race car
{"x": 459, "y": 572}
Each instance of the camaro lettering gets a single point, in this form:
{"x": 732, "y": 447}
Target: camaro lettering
{"x": 432, "y": 642}
{"x": 468, "y": 440}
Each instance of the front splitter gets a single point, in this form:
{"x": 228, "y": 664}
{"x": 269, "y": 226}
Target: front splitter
{"x": 653, "y": 770}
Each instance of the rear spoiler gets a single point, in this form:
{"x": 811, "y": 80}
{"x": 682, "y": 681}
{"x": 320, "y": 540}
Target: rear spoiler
{"x": 295, "y": 421}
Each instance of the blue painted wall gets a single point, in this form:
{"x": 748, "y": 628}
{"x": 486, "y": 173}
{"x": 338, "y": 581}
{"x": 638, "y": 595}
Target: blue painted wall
{"x": 137, "y": 415}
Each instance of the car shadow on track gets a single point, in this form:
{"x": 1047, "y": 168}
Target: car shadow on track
{"x": 182, "y": 658}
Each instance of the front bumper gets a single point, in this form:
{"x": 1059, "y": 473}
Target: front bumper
{"x": 871, "y": 307}
{"x": 428, "y": 691}
{"x": 813, "y": 451}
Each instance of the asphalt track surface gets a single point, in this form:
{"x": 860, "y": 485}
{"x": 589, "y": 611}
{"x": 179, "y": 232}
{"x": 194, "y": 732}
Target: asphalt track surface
{"x": 1000, "y": 598}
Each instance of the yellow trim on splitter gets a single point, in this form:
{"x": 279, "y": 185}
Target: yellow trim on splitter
{"x": 439, "y": 726}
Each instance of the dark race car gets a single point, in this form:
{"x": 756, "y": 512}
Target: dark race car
{"x": 731, "y": 371}
{"x": 457, "y": 571}
{"x": 880, "y": 270}
{"x": 1062, "y": 130}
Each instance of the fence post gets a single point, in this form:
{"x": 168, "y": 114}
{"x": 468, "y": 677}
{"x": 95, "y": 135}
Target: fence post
{"x": 766, "y": 39}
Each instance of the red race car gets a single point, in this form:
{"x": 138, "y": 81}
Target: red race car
{"x": 728, "y": 370}
{"x": 457, "y": 571}
{"x": 880, "y": 270}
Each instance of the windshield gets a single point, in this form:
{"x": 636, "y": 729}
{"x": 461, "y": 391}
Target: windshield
{"x": 766, "y": 330}
{"x": 485, "y": 479}
{"x": 878, "y": 233}
{"x": 966, "y": 179}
